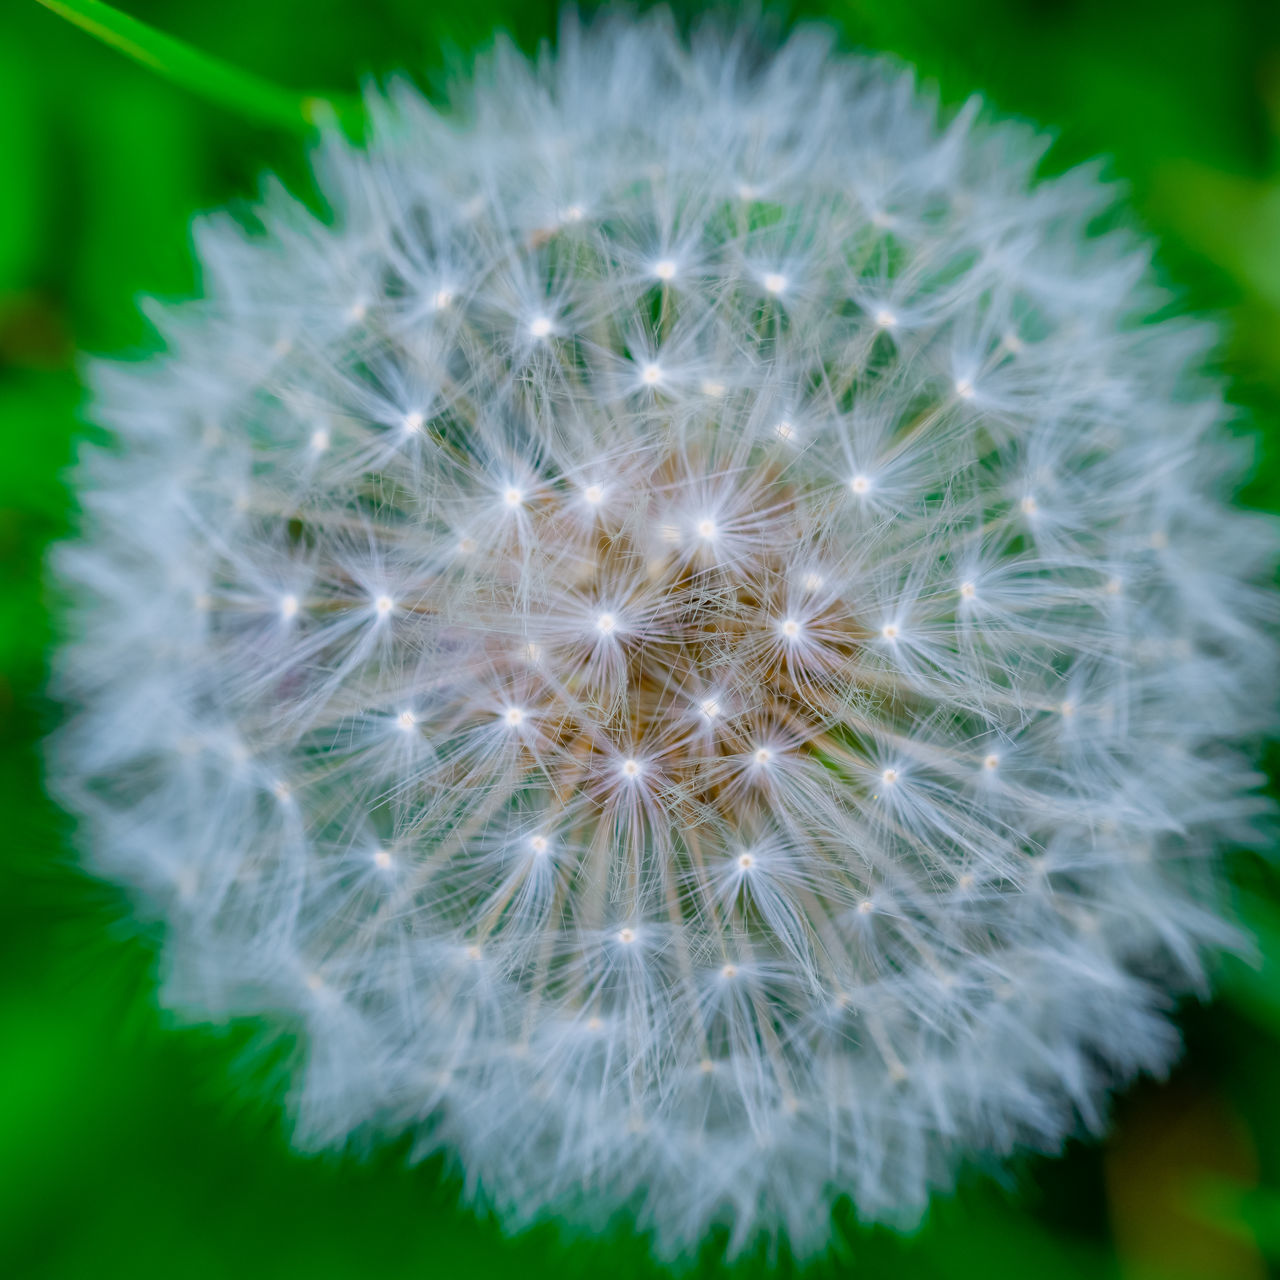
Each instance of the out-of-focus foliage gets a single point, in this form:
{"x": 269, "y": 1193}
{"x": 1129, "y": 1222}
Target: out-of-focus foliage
{"x": 120, "y": 1151}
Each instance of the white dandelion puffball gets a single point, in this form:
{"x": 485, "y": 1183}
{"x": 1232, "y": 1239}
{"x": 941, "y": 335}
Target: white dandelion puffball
{"x": 687, "y": 636}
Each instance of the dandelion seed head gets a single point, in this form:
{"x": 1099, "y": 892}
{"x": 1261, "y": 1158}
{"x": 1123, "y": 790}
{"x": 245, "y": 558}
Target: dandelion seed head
{"x": 564, "y": 665}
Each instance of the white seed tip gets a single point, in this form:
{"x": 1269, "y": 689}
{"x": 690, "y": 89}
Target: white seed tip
{"x": 775, "y": 282}
{"x": 413, "y": 423}
{"x": 651, "y": 374}
{"x": 630, "y": 768}
{"x": 885, "y": 319}
{"x": 784, "y": 430}
{"x": 889, "y": 631}
{"x": 889, "y": 777}
{"x": 790, "y": 628}
{"x": 626, "y": 936}
{"x": 762, "y": 756}
{"x": 512, "y": 497}
{"x": 967, "y": 591}
{"x": 319, "y": 440}
{"x": 860, "y": 484}
{"x": 382, "y": 860}
{"x": 665, "y": 269}
{"x": 383, "y": 606}
{"x": 539, "y": 844}
{"x": 964, "y": 389}
{"x": 513, "y": 716}
{"x": 745, "y": 861}
{"x": 289, "y": 606}
{"x": 406, "y": 720}
{"x": 991, "y": 762}
{"x": 593, "y": 495}
{"x": 605, "y": 623}
{"x": 706, "y": 529}
{"x": 540, "y": 327}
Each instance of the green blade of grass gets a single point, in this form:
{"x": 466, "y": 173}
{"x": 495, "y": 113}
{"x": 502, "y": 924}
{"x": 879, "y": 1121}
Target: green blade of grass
{"x": 216, "y": 80}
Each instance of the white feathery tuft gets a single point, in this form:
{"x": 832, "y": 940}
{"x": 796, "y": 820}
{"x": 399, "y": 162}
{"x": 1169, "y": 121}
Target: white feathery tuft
{"x": 689, "y": 637}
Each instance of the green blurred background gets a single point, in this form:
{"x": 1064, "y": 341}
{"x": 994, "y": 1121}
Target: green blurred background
{"x": 130, "y": 1147}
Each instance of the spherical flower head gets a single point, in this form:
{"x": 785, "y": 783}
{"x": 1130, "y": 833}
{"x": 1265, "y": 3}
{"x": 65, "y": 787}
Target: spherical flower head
{"x": 687, "y": 637}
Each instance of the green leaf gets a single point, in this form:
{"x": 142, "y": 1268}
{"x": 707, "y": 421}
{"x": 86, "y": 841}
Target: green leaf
{"x": 240, "y": 90}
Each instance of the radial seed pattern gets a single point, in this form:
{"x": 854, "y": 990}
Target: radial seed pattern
{"x": 686, "y": 637}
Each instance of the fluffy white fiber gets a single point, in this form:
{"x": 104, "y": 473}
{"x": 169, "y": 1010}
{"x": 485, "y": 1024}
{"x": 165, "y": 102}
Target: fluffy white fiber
{"x": 688, "y": 637}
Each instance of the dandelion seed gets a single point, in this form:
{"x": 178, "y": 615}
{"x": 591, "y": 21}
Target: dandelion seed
{"x": 688, "y": 619}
